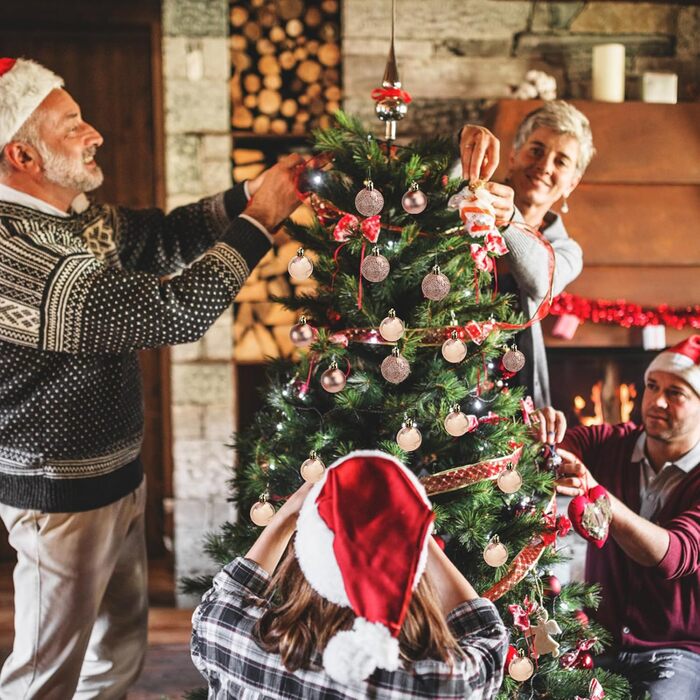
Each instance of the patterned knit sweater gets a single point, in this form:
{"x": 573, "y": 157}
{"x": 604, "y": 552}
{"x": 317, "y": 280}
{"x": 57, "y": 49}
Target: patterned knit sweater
{"x": 78, "y": 297}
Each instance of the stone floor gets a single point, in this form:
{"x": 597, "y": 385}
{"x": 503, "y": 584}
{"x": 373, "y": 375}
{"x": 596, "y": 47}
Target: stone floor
{"x": 168, "y": 672}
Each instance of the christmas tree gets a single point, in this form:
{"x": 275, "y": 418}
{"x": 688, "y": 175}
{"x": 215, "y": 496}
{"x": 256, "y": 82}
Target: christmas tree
{"x": 407, "y": 348}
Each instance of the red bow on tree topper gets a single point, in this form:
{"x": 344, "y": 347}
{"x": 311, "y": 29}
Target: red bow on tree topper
{"x": 349, "y": 225}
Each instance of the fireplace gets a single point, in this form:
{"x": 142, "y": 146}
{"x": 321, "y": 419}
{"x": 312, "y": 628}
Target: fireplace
{"x": 596, "y": 385}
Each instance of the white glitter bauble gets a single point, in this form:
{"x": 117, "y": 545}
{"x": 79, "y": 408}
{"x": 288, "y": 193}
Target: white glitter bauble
{"x": 521, "y": 668}
{"x": 414, "y": 201}
{"x": 261, "y": 513}
{"x": 453, "y": 349}
{"x": 513, "y": 360}
{"x": 395, "y": 367}
{"x": 509, "y": 480}
{"x": 300, "y": 267}
{"x": 435, "y": 285}
{"x": 312, "y": 469}
{"x": 302, "y": 334}
{"x": 457, "y": 423}
{"x": 495, "y": 553}
{"x": 375, "y": 267}
{"x": 409, "y": 438}
{"x": 369, "y": 201}
{"x": 333, "y": 379}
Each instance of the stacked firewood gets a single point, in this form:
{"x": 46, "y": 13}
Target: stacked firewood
{"x": 285, "y": 56}
{"x": 261, "y": 327}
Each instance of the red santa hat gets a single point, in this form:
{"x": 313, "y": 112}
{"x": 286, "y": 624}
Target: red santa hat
{"x": 23, "y": 86}
{"x": 682, "y": 359}
{"x": 362, "y": 542}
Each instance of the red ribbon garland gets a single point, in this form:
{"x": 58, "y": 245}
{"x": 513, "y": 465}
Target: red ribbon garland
{"x": 625, "y": 314}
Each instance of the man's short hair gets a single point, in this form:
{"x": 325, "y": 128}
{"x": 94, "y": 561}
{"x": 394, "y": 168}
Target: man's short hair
{"x": 562, "y": 118}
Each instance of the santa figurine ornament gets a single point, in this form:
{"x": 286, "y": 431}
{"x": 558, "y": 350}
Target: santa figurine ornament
{"x": 358, "y": 552}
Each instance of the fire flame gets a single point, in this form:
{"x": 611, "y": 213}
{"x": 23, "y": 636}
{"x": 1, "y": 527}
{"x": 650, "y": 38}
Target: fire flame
{"x": 626, "y": 393}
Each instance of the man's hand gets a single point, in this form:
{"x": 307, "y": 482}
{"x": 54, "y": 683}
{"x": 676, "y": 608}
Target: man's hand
{"x": 502, "y": 200}
{"x": 275, "y": 195}
{"x": 479, "y": 151}
{"x": 574, "y": 477}
{"x": 548, "y": 425}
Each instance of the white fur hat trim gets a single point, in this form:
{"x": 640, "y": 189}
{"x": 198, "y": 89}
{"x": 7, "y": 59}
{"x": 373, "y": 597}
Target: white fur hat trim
{"x": 22, "y": 89}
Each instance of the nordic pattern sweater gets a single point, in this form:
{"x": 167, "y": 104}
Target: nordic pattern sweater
{"x": 644, "y": 607}
{"x": 79, "y": 296}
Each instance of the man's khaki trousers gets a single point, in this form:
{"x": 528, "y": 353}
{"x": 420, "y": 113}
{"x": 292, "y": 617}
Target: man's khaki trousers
{"x": 81, "y": 601}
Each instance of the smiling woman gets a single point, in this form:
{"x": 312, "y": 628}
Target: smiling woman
{"x": 552, "y": 148}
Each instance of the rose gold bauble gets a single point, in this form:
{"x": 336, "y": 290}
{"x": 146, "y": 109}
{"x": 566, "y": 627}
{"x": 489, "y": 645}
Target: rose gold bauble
{"x": 435, "y": 285}
{"x": 395, "y": 368}
{"x": 521, "y": 668}
{"x": 375, "y": 267}
{"x": 261, "y": 513}
{"x": 409, "y": 438}
{"x": 457, "y": 423}
{"x": 333, "y": 379}
{"x": 312, "y": 469}
{"x": 300, "y": 267}
{"x": 509, "y": 480}
{"x": 391, "y": 328}
{"x": 415, "y": 200}
{"x": 513, "y": 360}
{"x": 302, "y": 334}
{"x": 454, "y": 350}
{"x": 369, "y": 201}
{"x": 495, "y": 553}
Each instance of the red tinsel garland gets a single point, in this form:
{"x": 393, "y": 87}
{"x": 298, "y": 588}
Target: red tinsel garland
{"x": 623, "y": 313}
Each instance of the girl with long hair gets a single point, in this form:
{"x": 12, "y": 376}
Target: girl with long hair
{"x": 361, "y": 603}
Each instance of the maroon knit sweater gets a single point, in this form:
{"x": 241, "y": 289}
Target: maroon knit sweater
{"x": 644, "y": 607}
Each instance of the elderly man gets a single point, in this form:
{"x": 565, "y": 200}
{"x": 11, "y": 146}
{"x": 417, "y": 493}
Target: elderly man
{"x": 650, "y": 571}
{"x": 551, "y": 150}
{"x": 80, "y": 293}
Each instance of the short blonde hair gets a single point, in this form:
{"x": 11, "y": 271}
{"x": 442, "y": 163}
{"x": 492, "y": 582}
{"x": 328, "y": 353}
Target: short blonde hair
{"x": 563, "y": 118}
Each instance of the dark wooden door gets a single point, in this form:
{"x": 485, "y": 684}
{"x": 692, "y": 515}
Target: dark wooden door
{"x": 109, "y": 56}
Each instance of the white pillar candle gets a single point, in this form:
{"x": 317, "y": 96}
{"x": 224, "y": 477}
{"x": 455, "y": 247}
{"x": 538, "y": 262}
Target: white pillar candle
{"x": 660, "y": 87}
{"x": 609, "y": 72}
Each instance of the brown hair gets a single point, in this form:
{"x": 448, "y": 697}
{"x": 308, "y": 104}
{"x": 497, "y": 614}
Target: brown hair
{"x": 298, "y": 622}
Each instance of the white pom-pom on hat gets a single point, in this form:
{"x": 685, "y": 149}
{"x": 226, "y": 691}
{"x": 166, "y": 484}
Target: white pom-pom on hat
{"x": 353, "y": 655}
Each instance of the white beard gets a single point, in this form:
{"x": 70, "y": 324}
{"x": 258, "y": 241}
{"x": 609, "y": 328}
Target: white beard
{"x": 69, "y": 172}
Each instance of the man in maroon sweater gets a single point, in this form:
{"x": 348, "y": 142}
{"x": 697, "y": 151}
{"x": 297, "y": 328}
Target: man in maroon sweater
{"x": 649, "y": 568}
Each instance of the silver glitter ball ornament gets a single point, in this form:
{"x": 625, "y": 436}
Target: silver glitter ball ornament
{"x": 391, "y": 328}
{"x": 300, "y": 267}
{"x": 435, "y": 285}
{"x": 369, "y": 201}
{"x": 495, "y": 553}
{"x": 333, "y": 379}
{"x": 302, "y": 334}
{"x": 414, "y": 201}
{"x": 509, "y": 480}
{"x": 375, "y": 267}
{"x": 395, "y": 368}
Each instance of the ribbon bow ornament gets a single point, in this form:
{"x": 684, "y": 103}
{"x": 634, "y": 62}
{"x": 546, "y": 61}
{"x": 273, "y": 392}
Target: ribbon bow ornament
{"x": 521, "y": 615}
{"x": 349, "y": 225}
{"x": 570, "y": 658}
{"x": 595, "y": 691}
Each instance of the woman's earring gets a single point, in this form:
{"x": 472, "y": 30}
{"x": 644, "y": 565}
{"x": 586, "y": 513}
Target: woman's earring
{"x": 564, "y": 206}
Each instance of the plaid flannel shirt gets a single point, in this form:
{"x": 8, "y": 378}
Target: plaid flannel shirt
{"x": 226, "y": 653}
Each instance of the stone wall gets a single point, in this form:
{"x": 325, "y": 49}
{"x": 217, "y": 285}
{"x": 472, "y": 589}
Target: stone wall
{"x": 455, "y": 58}
{"x": 196, "y": 71}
